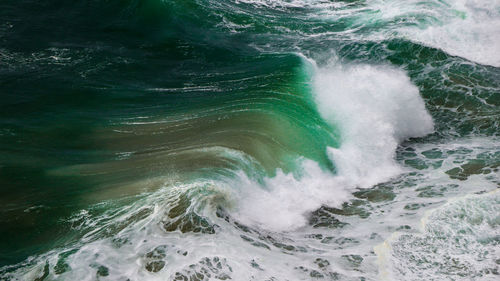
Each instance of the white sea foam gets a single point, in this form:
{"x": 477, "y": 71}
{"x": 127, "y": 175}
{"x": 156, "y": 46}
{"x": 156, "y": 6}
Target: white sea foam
{"x": 285, "y": 202}
{"x": 458, "y": 241}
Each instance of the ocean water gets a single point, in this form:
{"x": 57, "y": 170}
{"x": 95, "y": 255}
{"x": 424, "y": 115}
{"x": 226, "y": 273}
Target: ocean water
{"x": 250, "y": 140}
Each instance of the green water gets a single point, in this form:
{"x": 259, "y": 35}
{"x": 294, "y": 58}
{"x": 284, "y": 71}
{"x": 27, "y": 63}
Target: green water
{"x": 124, "y": 115}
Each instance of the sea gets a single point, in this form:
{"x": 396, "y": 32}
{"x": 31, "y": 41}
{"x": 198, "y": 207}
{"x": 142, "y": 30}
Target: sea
{"x": 245, "y": 140}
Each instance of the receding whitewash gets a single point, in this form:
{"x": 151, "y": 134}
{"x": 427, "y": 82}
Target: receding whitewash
{"x": 471, "y": 220}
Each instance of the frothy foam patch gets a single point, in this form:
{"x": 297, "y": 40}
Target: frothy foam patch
{"x": 458, "y": 241}
{"x": 375, "y": 107}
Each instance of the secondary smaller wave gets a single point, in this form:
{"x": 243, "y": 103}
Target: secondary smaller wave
{"x": 466, "y": 28}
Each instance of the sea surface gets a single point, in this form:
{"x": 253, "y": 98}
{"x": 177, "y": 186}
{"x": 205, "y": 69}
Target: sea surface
{"x": 250, "y": 140}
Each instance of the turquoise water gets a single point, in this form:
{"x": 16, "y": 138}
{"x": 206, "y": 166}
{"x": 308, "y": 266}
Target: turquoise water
{"x": 249, "y": 140}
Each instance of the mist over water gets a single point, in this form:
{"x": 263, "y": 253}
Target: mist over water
{"x": 249, "y": 140}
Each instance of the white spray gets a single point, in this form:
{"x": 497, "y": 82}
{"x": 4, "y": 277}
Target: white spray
{"x": 375, "y": 108}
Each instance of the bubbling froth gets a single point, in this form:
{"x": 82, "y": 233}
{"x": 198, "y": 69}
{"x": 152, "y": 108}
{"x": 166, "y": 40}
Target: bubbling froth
{"x": 459, "y": 239}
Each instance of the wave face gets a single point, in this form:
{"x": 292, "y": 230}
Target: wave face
{"x": 249, "y": 140}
